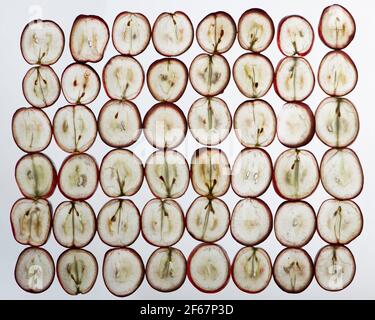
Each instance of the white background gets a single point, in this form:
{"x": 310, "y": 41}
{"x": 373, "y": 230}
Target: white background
{"x": 13, "y": 67}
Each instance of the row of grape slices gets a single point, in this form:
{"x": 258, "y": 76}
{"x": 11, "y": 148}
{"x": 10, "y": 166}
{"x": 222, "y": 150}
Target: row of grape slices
{"x": 43, "y": 41}
{"x": 163, "y": 222}
{"x": 208, "y": 269}
{"x": 253, "y": 73}
{"x": 295, "y": 174}
{"x": 336, "y": 123}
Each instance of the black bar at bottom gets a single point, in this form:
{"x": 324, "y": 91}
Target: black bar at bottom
{"x": 187, "y": 309}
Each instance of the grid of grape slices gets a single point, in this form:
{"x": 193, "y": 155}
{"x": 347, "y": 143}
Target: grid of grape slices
{"x": 294, "y": 175}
